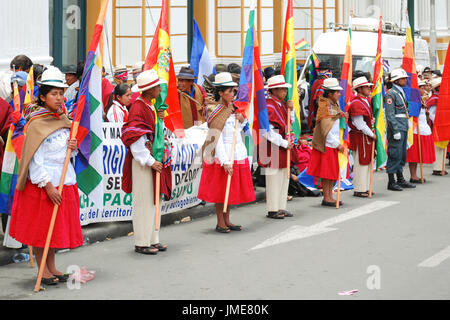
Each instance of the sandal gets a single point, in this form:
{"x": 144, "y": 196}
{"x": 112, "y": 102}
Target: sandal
{"x": 222, "y": 230}
{"x": 159, "y": 246}
{"x": 235, "y": 228}
{"x": 286, "y": 213}
{"x": 146, "y": 250}
{"x": 361, "y": 194}
{"x": 62, "y": 278}
{"x": 331, "y": 204}
{"x": 275, "y": 215}
{"x": 50, "y": 281}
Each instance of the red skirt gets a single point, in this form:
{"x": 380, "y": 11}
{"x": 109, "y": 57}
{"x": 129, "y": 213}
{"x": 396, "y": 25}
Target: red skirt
{"x": 427, "y": 146}
{"x": 213, "y": 183}
{"x": 324, "y": 165}
{"x": 31, "y": 214}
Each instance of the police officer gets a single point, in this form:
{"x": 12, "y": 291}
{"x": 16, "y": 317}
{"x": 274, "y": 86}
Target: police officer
{"x": 397, "y": 130}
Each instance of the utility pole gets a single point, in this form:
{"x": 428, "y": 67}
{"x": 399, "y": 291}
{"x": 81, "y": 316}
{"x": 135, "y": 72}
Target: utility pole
{"x": 433, "y": 59}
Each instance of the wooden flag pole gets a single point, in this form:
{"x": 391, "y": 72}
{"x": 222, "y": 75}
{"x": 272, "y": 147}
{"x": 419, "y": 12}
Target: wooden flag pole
{"x": 157, "y": 200}
{"x": 288, "y": 161}
{"x": 420, "y": 153}
{"x": 30, "y": 252}
{"x": 338, "y": 190}
{"x": 443, "y": 160}
{"x": 55, "y": 211}
{"x": 227, "y": 191}
{"x": 371, "y": 170}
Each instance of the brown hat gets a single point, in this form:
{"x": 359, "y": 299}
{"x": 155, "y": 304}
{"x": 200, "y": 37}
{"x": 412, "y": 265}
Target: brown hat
{"x": 186, "y": 73}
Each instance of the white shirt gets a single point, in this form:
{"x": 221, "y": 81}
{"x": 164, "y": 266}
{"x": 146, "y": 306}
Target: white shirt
{"x": 361, "y": 125}
{"x": 425, "y": 129}
{"x": 333, "y": 137}
{"x": 71, "y": 93}
{"x": 116, "y": 113}
{"x": 225, "y": 142}
{"x": 48, "y": 161}
{"x": 140, "y": 152}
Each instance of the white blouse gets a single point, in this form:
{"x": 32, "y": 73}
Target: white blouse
{"x": 333, "y": 137}
{"x": 225, "y": 142}
{"x": 48, "y": 161}
{"x": 425, "y": 129}
{"x": 116, "y": 113}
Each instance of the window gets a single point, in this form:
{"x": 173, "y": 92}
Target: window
{"x": 134, "y": 24}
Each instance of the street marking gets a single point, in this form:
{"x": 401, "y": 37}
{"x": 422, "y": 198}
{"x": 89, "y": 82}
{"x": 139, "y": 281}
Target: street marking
{"x": 299, "y": 232}
{"x": 437, "y": 259}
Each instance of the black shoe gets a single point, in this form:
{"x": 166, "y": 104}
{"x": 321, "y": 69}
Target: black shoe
{"x": 438, "y": 173}
{"x": 417, "y": 181}
{"x": 405, "y": 184}
{"x": 394, "y": 187}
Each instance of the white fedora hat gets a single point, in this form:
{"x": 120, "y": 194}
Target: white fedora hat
{"x": 398, "y": 74}
{"x": 277, "y": 82}
{"x": 436, "y": 82}
{"x": 147, "y": 80}
{"x": 331, "y": 84}
{"x": 224, "y": 79}
{"x": 422, "y": 83}
{"x": 361, "y": 82}
{"x": 53, "y": 77}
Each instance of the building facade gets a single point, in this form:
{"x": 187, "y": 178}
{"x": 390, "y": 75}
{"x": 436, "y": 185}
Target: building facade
{"x": 59, "y": 31}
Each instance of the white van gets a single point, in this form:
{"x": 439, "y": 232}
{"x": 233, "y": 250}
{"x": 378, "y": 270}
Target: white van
{"x": 330, "y": 47}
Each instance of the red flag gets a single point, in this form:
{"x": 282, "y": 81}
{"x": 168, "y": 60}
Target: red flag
{"x": 441, "y": 126}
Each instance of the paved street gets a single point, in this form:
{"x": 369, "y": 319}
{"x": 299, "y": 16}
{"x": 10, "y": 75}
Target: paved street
{"x": 395, "y": 246}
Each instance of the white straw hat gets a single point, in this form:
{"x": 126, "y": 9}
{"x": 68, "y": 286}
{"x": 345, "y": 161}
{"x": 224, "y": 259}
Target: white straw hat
{"x": 435, "y": 82}
{"x": 277, "y": 82}
{"x": 147, "y": 80}
{"x": 224, "y": 79}
{"x": 53, "y": 77}
{"x": 361, "y": 82}
{"x": 422, "y": 83}
{"x": 332, "y": 84}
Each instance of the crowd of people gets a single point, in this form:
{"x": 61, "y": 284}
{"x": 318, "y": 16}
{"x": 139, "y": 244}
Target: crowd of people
{"x": 128, "y": 100}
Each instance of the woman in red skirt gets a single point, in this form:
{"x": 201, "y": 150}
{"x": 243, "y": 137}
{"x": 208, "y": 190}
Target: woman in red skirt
{"x": 326, "y": 143}
{"x": 426, "y": 140}
{"x": 217, "y": 154}
{"x": 41, "y": 165}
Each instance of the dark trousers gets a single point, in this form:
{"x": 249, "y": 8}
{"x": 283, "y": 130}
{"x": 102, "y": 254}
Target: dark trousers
{"x": 396, "y": 152}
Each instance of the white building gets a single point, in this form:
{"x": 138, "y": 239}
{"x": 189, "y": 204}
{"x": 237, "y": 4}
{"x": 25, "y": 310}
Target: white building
{"x": 60, "y": 30}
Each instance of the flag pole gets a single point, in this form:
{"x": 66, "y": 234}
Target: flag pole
{"x": 73, "y": 133}
{"x": 338, "y": 190}
{"x": 55, "y": 211}
{"x": 30, "y": 252}
{"x": 227, "y": 191}
{"x": 158, "y": 197}
{"x": 443, "y": 160}
{"x": 288, "y": 161}
{"x": 420, "y": 152}
{"x": 371, "y": 169}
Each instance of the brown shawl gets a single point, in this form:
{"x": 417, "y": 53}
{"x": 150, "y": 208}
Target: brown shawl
{"x": 190, "y": 110}
{"x": 327, "y": 113}
{"x": 37, "y": 131}
{"x": 217, "y": 115}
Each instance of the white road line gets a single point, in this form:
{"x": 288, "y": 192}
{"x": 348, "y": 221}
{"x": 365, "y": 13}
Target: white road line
{"x": 299, "y": 232}
{"x": 437, "y": 259}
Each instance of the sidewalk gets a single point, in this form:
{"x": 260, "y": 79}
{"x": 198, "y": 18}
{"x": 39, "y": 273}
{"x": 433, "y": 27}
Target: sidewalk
{"x": 98, "y": 232}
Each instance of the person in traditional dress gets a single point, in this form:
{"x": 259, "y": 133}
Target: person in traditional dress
{"x": 396, "y": 109}
{"x": 192, "y": 98}
{"x": 426, "y": 140}
{"x": 140, "y": 166}
{"x": 44, "y": 150}
{"x": 72, "y": 81}
{"x": 323, "y": 72}
{"x": 324, "y": 162}
{"x": 432, "y": 104}
{"x": 217, "y": 150}
{"x": 272, "y": 151}
{"x": 118, "y": 111}
{"x": 120, "y": 74}
{"x": 361, "y": 135}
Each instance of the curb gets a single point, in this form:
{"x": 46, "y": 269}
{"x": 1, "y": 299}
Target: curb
{"x": 98, "y": 232}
